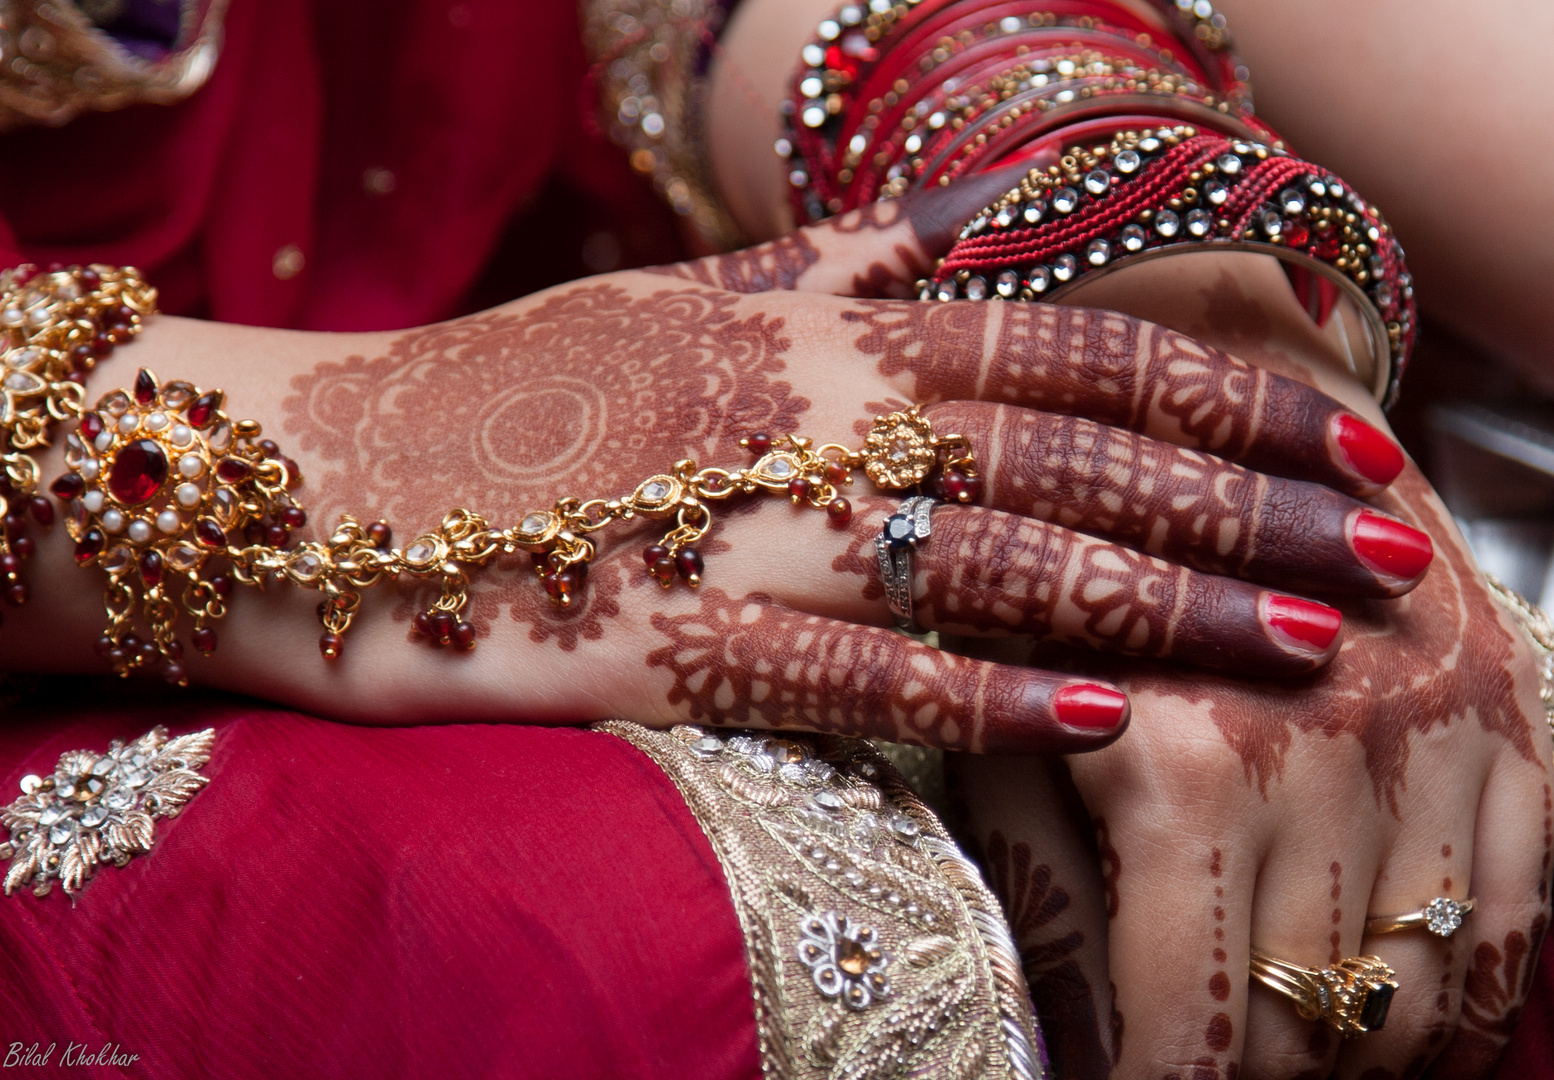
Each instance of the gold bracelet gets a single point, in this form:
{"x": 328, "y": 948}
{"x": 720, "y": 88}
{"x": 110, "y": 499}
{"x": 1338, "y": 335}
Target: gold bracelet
{"x": 54, "y": 328}
{"x": 164, "y": 488}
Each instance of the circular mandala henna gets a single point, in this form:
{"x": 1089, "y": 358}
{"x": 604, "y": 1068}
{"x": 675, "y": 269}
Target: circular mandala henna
{"x": 583, "y": 394}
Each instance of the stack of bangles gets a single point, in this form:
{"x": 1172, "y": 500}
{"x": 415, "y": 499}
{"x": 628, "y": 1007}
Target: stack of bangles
{"x": 1136, "y": 133}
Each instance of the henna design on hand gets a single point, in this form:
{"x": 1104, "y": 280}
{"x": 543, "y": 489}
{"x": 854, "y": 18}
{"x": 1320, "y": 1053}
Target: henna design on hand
{"x": 1065, "y": 1001}
{"x": 775, "y": 265}
{"x": 1168, "y": 501}
{"x": 1111, "y": 866}
{"x": 748, "y": 660}
{"x": 1114, "y": 370}
{"x": 503, "y": 412}
{"x": 1436, "y": 657}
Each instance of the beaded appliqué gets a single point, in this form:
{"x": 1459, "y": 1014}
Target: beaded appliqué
{"x": 874, "y": 947}
{"x": 99, "y": 808}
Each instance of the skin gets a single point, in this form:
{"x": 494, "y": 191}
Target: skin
{"x": 590, "y": 388}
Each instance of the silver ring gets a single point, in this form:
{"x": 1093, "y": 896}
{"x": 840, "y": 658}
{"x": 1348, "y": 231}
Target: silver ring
{"x": 901, "y": 533}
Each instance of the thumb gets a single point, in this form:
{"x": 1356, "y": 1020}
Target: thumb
{"x": 878, "y": 250}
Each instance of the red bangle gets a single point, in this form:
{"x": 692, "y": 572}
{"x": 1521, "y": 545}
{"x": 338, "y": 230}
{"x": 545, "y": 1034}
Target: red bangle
{"x": 1178, "y": 189}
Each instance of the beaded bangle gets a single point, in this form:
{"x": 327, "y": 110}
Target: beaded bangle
{"x": 1155, "y": 193}
{"x": 55, "y": 326}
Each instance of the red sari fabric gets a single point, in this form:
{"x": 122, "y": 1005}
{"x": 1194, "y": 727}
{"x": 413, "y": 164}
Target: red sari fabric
{"x": 467, "y": 900}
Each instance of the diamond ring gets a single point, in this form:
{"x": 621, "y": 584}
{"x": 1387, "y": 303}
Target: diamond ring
{"x": 1441, "y": 916}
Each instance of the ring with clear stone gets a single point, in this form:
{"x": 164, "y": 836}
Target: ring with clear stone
{"x": 1441, "y": 917}
{"x": 902, "y": 532}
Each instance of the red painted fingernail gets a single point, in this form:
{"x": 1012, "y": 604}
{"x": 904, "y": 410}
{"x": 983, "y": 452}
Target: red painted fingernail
{"x": 1306, "y": 625}
{"x": 1367, "y": 451}
{"x": 1391, "y": 547}
{"x": 1090, "y": 707}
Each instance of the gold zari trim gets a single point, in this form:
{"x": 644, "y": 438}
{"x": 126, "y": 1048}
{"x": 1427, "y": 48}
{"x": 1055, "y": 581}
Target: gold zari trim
{"x": 55, "y": 64}
{"x": 874, "y": 947}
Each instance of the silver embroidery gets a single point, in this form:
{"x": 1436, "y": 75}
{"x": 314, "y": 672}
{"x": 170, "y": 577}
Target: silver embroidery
{"x": 875, "y": 949}
{"x": 99, "y": 808}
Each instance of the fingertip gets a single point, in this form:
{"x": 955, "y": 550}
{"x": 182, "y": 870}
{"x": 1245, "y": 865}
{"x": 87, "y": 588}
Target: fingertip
{"x": 1364, "y": 451}
{"x": 1303, "y": 628}
{"x": 938, "y": 214}
{"x": 1398, "y": 554}
{"x": 1094, "y": 714}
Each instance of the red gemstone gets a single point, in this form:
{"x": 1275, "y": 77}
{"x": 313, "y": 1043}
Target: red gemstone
{"x": 233, "y": 470}
{"x": 378, "y": 532}
{"x": 442, "y": 625}
{"x": 840, "y": 511}
{"x": 91, "y": 426}
{"x": 209, "y": 533}
{"x": 836, "y": 473}
{"x": 16, "y": 594}
{"x": 23, "y": 546}
{"x": 90, "y": 544}
{"x": 798, "y": 488}
{"x": 653, "y": 552}
{"x": 294, "y": 517}
{"x": 83, "y": 355}
{"x": 276, "y": 536}
{"x": 759, "y": 443}
{"x": 151, "y": 568}
{"x": 10, "y": 564}
{"x": 958, "y": 487}
{"x": 330, "y": 645}
{"x": 689, "y": 564}
{"x": 204, "y": 407}
{"x": 68, "y": 487}
{"x": 1296, "y": 234}
{"x": 119, "y": 318}
{"x": 464, "y": 635}
{"x": 89, "y": 280}
{"x": 102, "y": 344}
{"x": 205, "y": 640}
{"x": 222, "y": 585}
{"x": 42, "y": 510}
{"x": 145, "y": 387}
{"x": 138, "y": 472}
{"x": 664, "y": 570}
{"x": 15, "y": 525}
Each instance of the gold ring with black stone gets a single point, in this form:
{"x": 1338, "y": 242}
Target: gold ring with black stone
{"x": 1353, "y": 996}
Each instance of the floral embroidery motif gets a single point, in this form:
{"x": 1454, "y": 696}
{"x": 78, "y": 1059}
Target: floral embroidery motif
{"x": 843, "y": 959}
{"x": 99, "y": 808}
{"x": 846, "y": 884}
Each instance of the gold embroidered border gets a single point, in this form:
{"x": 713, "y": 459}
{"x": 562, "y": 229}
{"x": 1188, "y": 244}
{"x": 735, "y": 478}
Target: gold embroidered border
{"x": 874, "y": 947}
{"x": 55, "y": 64}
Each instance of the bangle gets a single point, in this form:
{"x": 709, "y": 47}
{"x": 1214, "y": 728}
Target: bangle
{"x": 179, "y": 503}
{"x": 55, "y": 326}
{"x": 1145, "y": 195}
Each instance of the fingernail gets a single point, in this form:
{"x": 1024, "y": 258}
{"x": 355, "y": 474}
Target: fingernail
{"x": 1300, "y": 623}
{"x": 1390, "y": 546}
{"x": 1367, "y": 451}
{"x": 1088, "y": 707}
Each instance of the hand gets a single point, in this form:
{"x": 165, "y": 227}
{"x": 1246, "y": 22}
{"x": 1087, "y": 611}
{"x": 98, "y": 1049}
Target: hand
{"x": 590, "y": 388}
{"x": 1240, "y": 812}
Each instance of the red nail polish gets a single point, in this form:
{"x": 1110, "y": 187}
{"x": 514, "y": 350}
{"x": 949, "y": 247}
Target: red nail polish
{"x": 1089, "y": 707}
{"x": 1391, "y": 547}
{"x": 1367, "y": 451}
{"x": 1306, "y": 625}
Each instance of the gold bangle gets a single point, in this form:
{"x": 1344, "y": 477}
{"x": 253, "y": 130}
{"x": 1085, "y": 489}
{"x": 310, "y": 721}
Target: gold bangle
{"x": 164, "y": 488}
